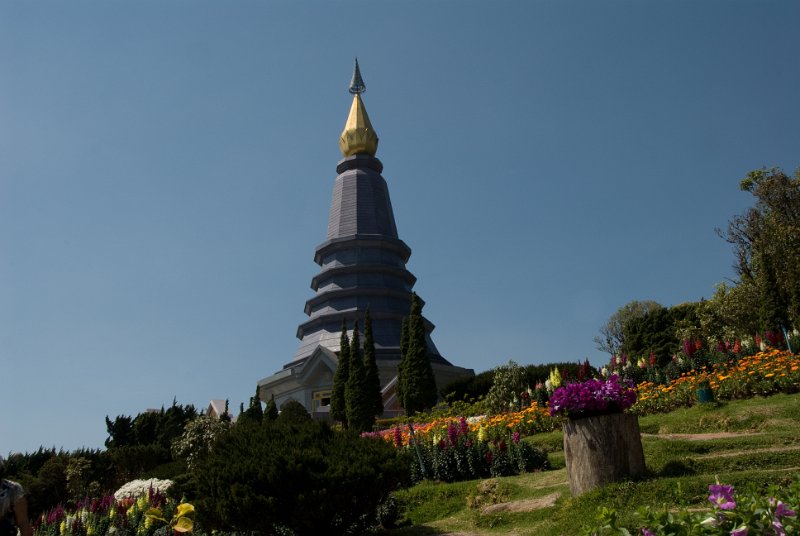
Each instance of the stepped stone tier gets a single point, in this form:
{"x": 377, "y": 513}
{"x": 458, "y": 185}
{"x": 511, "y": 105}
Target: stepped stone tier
{"x": 363, "y": 266}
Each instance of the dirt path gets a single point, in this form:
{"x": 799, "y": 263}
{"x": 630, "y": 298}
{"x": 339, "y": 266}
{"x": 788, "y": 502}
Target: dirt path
{"x": 702, "y": 437}
{"x": 524, "y": 505}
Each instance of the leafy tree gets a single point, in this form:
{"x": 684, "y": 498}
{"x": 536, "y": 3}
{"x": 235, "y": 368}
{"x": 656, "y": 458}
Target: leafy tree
{"x": 654, "y": 332}
{"x": 735, "y": 308}
{"x": 418, "y": 385}
{"x": 359, "y": 403}
{"x": 612, "y": 334}
{"x": 507, "y": 387}
{"x": 766, "y": 242}
{"x": 197, "y": 440}
{"x": 373, "y": 381}
{"x": 338, "y": 404}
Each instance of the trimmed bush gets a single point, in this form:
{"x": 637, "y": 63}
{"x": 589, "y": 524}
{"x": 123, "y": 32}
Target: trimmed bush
{"x": 297, "y": 475}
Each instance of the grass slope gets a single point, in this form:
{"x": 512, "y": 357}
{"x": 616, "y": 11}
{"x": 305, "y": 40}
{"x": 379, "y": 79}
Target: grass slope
{"x": 743, "y": 442}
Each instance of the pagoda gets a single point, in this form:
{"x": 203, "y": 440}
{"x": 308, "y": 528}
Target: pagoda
{"x": 363, "y": 266}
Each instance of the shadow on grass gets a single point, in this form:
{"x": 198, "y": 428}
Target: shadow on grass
{"x": 676, "y": 468}
{"x": 414, "y": 530}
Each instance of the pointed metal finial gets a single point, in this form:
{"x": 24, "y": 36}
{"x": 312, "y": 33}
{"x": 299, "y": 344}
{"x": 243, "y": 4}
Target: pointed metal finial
{"x": 357, "y": 83}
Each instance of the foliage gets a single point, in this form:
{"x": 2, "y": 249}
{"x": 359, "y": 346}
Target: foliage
{"x": 198, "y": 439}
{"x": 770, "y": 511}
{"x": 612, "y": 334}
{"x": 359, "y": 400}
{"x": 655, "y": 333}
{"x": 298, "y": 475}
{"x": 149, "y": 427}
{"x": 766, "y": 242}
{"x": 338, "y": 407}
{"x": 508, "y": 387}
{"x": 592, "y": 397}
{"x": 271, "y": 411}
{"x": 416, "y": 383}
{"x": 373, "y": 380}
{"x": 292, "y": 410}
{"x": 136, "y": 461}
{"x": 254, "y": 412}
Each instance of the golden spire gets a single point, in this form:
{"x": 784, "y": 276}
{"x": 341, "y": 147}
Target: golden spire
{"x": 358, "y": 136}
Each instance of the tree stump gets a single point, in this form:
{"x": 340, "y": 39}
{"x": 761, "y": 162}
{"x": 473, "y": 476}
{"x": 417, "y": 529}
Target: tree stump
{"x": 602, "y": 449}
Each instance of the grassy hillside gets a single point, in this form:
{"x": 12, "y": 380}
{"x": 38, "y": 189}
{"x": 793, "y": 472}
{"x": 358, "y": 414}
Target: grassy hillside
{"x": 755, "y": 441}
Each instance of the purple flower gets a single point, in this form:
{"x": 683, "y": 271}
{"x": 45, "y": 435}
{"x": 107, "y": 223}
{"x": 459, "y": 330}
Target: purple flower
{"x": 646, "y": 532}
{"x": 452, "y": 434}
{"x": 398, "y": 437}
{"x": 781, "y": 510}
{"x": 515, "y": 437}
{"x": 741, "y": 531}
{"x": 592, "y": 397}
{"x": 721, "y": 496}
{"x": 464, "y": 427}
{"x": 777, "y": 526}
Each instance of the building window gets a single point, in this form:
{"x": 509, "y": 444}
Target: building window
{"x": 320, "y": 398}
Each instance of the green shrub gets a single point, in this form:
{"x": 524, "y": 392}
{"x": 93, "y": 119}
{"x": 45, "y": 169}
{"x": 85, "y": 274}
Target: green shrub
{"x": 295, "y": 474}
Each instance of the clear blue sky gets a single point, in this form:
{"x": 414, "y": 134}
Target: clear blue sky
{"x": 166, "y": 170}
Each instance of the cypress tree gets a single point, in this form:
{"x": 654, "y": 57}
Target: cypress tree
{"x": 373, "y": 381}
{"x": 403, "y": 365}
{"x": 271, "y": 412}
{"x": 254, "y": 412}
{"x": 419, "y": 384}
{"x": 359, "y": 404}
{"x": 338, "y": 399}
{"x": 226, "y": 416}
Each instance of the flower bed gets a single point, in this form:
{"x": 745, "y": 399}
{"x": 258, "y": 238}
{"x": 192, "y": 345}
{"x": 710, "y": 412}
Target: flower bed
{"x": 459, "y": 448}
{"x": 127, "y": 515}
{"x": 762, "y": 374}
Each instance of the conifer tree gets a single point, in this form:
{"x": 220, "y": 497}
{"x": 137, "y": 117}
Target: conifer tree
{"x": 254, "y": 411}
{"x": 401, "y": 367}
{"x": 271, "y": 412}
{"x": 359, "y": 404}
{"x": 419, "y": 384}
{"x": 373, "y": 381}
{"x": 338, "y": 401}
{"x": 226, "y": 415}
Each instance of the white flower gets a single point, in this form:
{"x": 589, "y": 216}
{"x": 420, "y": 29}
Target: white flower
{"x": 137, "y": 488}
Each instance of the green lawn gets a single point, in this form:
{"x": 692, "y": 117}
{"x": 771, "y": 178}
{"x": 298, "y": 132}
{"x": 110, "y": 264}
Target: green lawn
{"x": 761, "y": 446}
